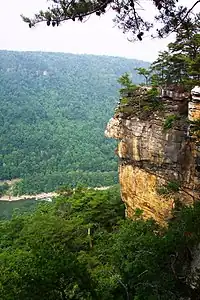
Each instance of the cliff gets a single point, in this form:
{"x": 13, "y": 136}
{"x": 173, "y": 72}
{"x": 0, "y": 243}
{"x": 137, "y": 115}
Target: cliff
{"x": 158, "y": 150}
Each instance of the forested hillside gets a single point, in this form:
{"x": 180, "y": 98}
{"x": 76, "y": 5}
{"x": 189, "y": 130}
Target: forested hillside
{"x": 54, "y": 109}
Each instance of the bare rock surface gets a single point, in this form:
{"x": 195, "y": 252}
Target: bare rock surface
{"x": 150, "y": 157}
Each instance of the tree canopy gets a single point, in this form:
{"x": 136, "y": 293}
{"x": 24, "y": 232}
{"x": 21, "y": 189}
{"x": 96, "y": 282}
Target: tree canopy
{"x": 129, "y": 14}
{"x": 181, "y": 63}
{"x": 80, "y": 247}
{"x": 54, "y": 109}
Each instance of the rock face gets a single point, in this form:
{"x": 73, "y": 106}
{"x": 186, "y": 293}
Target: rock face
{"x": 194, "y": 105}
{"x": 158, "y": 159}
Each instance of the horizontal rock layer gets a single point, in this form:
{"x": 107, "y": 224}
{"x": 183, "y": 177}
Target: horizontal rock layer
{"x": 150, "y": 158}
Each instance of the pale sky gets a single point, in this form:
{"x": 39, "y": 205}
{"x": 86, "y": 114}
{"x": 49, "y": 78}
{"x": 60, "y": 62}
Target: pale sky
{"x": 97, "y": 36}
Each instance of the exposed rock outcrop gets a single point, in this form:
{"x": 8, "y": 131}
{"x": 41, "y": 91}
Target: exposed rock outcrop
{"x": 158, "y": 155}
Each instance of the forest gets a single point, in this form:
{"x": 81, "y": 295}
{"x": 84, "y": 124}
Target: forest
{"x": 54, "y": 109}
{"x": 81, "y": 247}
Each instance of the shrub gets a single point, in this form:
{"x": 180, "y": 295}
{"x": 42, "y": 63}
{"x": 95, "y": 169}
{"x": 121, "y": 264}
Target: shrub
{"x": 126, "y": 109}
{"x": 153, "y": 93}
{"x": 173, "y": 186}
{"x": 3, "y": 188}
{"x": 169, "y": 121}
{"x": 124, "y": 100}
{"x": 146, "y": 108}
{"x": 162, "y": 190}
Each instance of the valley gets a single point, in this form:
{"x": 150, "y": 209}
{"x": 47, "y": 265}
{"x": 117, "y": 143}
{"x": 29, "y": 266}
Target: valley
{"x": 100, "y": 155}
{"x": 54, "y": 110}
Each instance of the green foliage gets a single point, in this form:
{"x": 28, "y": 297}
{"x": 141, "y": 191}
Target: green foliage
{"x": 154, "y": 80}
{"x": 124, "y": 100}
{"x": 54, "y": 109}
{"x": 144, "y": 72}
{"x": 135, "y": 99}
{"x": 180, "y": 64}
{"x": 127, "y": 110}
{"x": 138, "y": 212}
{"x": 125, "y": 80}
{"x": 162, "y": 190}
{"x": 3, "y": 188}
{"x": 169, "y": 121}
{"x": 128, "y": 88}
{"x": 49, "y": 251}
{"x": 146, "y": 108}
{"x": 81, "y": 247}
{"x": 154, "y": 100}
{"x": 152, "y": 93}
{"x": 139, "y": 101}
{"x": 128, "y": 15}
{"x": 173, "y": 186}
{"x": 170, "y": 187}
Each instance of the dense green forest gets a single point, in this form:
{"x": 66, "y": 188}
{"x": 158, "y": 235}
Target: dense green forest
{"x": 54, "y": 109}
{"x": 81, "y": 247}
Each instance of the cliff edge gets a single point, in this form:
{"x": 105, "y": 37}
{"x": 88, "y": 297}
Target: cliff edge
{"x": 158, "y": 150}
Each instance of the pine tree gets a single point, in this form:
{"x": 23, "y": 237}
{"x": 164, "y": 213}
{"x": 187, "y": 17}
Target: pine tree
{"x": 144, "y": 72}
{"x": 128, "y": 14}
{"x": 181, "y": 63}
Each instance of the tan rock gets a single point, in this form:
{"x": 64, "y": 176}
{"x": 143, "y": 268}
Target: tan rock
{"x": 139, "y": 190}
{"x": 151, "y": 157}
{"x": 194, "y": 111}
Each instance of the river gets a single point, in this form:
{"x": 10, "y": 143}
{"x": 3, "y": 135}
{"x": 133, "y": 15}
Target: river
{"x": 41, "y": 196}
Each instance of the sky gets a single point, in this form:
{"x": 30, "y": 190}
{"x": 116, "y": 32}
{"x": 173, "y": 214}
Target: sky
{"x": 96, "y": 36}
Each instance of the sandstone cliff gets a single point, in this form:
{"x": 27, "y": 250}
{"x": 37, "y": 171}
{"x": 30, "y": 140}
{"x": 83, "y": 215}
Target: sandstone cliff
{"x": 158, "y": 153}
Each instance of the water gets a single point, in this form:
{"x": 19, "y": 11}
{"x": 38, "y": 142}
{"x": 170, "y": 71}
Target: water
{"x": 7, "y": 208}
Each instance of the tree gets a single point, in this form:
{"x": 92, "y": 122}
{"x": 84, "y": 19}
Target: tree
{"x": 181, "y": 63}
{"x": 47, "y": 254}
{"x": 37, "y": 141}
{"x": 161, "y": 67}
{"x": 187, "y": 39}
{"x": 144, "y": 72}
{"x": 128, "y": 87}
{"x": 128, "y": 14}
{"x": 3, "y": 188}
{"x": 126, "y": 81}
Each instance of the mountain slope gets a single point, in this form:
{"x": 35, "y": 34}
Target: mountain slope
{"x": 54, "y": 108}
